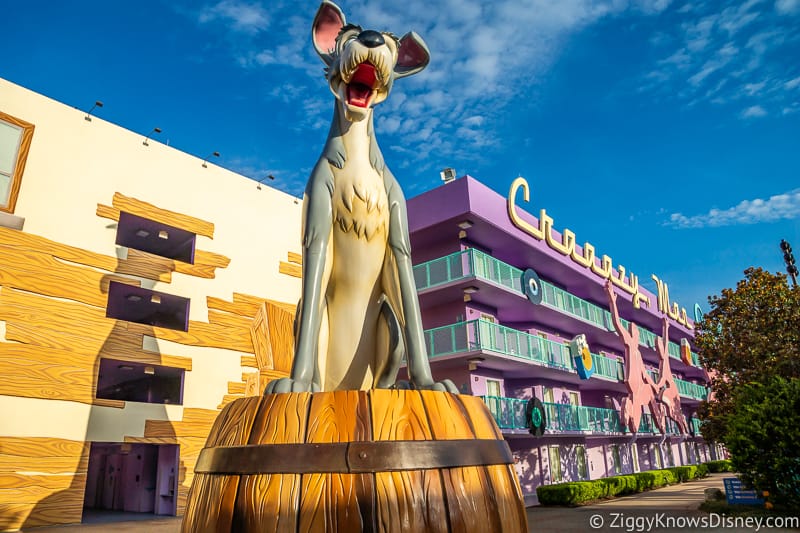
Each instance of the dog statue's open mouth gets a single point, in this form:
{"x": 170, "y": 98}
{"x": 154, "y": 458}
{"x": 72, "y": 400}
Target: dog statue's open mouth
{"x": 362, "y": 83}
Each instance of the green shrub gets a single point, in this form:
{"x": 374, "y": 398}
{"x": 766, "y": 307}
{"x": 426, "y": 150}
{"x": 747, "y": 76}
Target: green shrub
{"x": 644, "y": 481}
{"x": 576, "y": 492}
{"x": 568, "y": 493}
{"x": 721, "y": 465}
{"x": 702, "y": 471}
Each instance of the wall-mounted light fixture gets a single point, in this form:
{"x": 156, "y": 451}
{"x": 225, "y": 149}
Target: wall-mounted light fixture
{"x": 155, "y": 130}
{"x": 214, "y": 154}
{"x": 89, "y": 113}
{"x": 468, "y": 292}
{"x": 448, "y": 175}
{"x": 465, "y": 224}
{"x": 473, "y": 362}
{"x": 267, "y": 177}
{"x": 149, "y": 370}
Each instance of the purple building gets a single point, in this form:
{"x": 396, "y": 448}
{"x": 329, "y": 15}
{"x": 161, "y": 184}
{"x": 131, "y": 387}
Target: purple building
{"x": 508, "y": 340}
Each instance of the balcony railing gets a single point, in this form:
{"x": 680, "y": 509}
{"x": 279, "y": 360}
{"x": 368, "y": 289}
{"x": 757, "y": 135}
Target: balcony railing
{"x": 608, "y": 367}
{"x": 696, "y": 423}
{"x": 466, "y": 264}
{"x": 509, "y": 413}
{"x": 691, "y": 390}
{"x": 484, "y": 335}
{"x": 566, "y": 417}
{"x": 474, "y": 263}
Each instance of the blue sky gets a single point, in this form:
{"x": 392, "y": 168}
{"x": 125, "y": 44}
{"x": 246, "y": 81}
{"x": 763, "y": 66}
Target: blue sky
{"x": 666, "y": 133}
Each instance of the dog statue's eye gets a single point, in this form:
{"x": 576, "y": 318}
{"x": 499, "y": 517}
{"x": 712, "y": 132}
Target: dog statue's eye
{"x": 345, "y": 38}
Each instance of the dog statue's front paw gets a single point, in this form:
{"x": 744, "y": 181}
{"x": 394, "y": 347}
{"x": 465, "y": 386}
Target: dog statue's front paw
{"x": 442, "y": 386}
{"x": 281, "y": 385}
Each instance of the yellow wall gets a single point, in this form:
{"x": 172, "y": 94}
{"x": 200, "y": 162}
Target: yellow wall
{"x": 51, "y": 297}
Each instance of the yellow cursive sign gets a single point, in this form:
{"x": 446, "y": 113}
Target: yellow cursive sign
{"x": 566, "y": 246}
{"x": 672, "y": 311}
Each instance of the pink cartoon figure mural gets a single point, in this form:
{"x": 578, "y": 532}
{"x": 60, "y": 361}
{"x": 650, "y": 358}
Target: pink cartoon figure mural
{"x": 667, "y": 389}
{"x": 642, "y": 389}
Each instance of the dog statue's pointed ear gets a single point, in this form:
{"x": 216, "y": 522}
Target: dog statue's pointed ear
{"x": 327, "y": 23}
{"x": 412, "y": 56}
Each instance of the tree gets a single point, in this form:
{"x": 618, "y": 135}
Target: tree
{"x": 763, "y": 432}
{"x": 750, "y": 334}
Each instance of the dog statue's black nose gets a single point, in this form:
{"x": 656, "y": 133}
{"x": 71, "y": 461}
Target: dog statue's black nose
{"x": 371, "y": 38}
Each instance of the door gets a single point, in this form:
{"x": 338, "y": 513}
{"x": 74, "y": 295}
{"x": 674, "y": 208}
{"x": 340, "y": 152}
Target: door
{"x": 496, "y": 403}
{"x": 580, "y": 453}
{"x": 555, "y": 464}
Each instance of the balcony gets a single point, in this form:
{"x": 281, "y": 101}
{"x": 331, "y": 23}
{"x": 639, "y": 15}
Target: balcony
{"x": 694, "y": 425}
{"x": 608, "y": 367}
{"x": 482, "y": 335}
{"x": 474, "y": 264}
{"x": 509, "y": 413}
{"x": 595, "y": 420}
{"x": 475, "y": 335}
{"x": 691, "y": 390}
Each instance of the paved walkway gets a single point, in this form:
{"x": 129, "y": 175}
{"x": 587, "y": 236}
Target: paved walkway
{"x": 667, "y": 509}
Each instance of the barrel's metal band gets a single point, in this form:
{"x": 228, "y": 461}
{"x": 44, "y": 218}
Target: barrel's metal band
{"x": 352, "y": 457}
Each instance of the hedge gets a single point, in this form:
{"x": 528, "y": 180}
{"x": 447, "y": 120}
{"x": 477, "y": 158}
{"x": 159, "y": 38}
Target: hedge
{"x": 575, "y": 492}
{"x": 722, "y": 465}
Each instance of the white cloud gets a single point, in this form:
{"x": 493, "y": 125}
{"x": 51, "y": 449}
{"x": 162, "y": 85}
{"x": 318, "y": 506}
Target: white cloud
{"x": 778, "y": 207}
{"x": 791, "y": 84}
{"x": 787, "y": 6}
{"x": 724, "y": 53}
{"x": 755, "y": 111}
{"x": 243, "y": 17}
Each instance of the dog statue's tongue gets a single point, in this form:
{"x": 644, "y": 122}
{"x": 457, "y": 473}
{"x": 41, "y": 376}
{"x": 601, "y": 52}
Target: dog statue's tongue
{"x": 360, "y": 87}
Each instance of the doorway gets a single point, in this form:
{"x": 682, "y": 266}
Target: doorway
{"x": 132, "y": 478}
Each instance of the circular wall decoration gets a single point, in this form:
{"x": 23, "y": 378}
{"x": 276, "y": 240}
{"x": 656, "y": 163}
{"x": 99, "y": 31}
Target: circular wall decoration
{"x": 532, "y": 286}
{"x": 581, "y": 356}
{"x": 536, "y": 417}
{"x": 698, "y": 313}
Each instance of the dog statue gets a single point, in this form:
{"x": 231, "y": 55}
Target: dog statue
{"x": 358, "y": 314}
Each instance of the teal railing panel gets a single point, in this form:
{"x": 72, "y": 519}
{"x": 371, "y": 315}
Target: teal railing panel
{"x": 691, "y": 390}
{"x": 471, "y": 262}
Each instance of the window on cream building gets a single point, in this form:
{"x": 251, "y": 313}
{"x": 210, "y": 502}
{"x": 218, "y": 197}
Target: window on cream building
{"x": 15, "y": 141}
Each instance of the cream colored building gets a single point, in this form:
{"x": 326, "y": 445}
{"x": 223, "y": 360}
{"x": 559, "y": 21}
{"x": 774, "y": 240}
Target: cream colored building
{"x": 72, "y": 432}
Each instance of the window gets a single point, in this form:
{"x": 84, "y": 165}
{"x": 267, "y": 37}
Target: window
{"x": 670, "y": 457}
{"x": 580, "y": 452}
{"x": 155, "y": 237}
{"x": 657, "y": 456}
{"x": 555, "y": 464}
{"x": 547, "y": 394}
{"x": 137, "y": 382}
{"x": 493, "y": 388}
{"x": 615, "y": 459}
{"x": 145, "y": 306}
{"x": 15, "y": 141}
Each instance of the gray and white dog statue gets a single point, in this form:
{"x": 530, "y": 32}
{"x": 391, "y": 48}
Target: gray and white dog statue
{"x": 359, "y": 314}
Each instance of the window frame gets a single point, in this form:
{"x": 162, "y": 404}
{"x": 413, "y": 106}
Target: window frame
{"x": 555, "y": 476}
{"x": 582, "y": 463}
{"x": 22, "y": 158}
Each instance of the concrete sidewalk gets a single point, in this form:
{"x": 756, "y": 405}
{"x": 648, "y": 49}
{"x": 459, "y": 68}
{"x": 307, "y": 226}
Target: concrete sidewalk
{"x": 626, "y": 514}
{"x": 673, "y": 508}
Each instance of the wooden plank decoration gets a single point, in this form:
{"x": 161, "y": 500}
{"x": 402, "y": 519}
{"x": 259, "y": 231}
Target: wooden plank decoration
{"x": 333, "y": 486}
{"x": 171, "y": 218}
{"x": 52, "y": 496}
{"x": 52, "y": 300}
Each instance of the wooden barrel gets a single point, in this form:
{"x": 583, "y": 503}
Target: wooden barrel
{"x": 379, "y": 460}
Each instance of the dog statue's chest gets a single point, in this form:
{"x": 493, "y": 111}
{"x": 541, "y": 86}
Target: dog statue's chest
{"x": 360, "y": 203}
